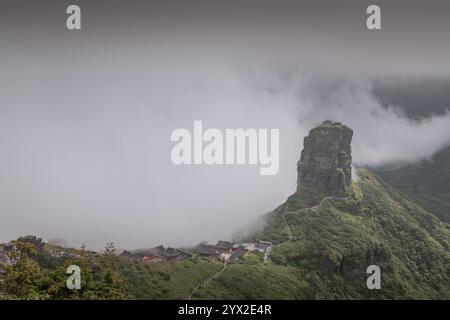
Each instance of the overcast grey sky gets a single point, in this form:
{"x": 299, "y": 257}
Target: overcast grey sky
{"x": 86, "y": 116}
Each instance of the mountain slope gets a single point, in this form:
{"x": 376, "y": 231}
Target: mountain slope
{"x": 324, "y": 237}
{"x": 332, "y": 247}
{"x": 426, "y": 182}
{"x": 331, "y": 229}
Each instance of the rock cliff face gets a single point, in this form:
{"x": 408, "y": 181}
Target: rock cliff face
{"x": 325, "y": 164}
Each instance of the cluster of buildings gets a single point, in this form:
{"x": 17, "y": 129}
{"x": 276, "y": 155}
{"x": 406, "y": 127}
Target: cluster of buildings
{"x": 229, "y": 251}
{"x": 160, "y": 254}
{"x": 224, "y": 250}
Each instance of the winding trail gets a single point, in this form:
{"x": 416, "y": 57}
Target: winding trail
{"x": 306, "y": 210}
{"x": 291, "y": 237}
{"x": 266, "y": 257}
{"x": 206, "y": 281}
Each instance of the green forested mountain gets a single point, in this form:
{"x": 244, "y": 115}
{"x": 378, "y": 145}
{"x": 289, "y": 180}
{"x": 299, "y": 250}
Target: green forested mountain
{"x": 322, "y": 244}
{"x": 427, "y": 182}
{"x": 332, "y": 247}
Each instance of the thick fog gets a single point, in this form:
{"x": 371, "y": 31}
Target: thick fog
{"x": 86, "y": 119}
{"x": 86, "y": 152}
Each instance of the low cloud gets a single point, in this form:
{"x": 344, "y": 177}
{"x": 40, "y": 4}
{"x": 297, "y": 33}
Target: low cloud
{"x": 382, "y": 133}
{"x": 93, "y": 164}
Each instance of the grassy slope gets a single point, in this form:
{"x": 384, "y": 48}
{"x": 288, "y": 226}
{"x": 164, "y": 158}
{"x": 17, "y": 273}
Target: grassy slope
{"x": 327, "y": 258}
{"x": 247, "y": 280}
{"x": 251, "y": 279}
{"x": 333, "y": 248}
{"x": 426, "y": 182}
{"x": 167, "y": 280}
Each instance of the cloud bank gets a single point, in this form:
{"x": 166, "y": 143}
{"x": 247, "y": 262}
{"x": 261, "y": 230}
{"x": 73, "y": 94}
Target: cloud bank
{"x": 382, "y": 133}
{"x": 86, "y": 152}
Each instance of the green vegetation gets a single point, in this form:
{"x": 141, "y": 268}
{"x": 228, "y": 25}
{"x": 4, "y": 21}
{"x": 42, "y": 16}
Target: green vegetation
{"x": 427, "y": 182}
{"x": 166, "y": 280}
{"x": 333, "y": 246}
{"x": 39, "y": 275}
{"x": 30, "y": 277}
{"x": 257, "y": 281}
{"x": 307, "y": 198}
{"x": 327, "y": 257}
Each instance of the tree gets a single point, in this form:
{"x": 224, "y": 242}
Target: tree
{"x": 110, "y": 252}
{"x": 23, "y": 278}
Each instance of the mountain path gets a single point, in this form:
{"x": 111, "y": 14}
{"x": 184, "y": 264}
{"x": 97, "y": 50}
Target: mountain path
{"x": 291, "y": 237}
{"x": 201, "y": 284}
{"x": 306, "y": 210}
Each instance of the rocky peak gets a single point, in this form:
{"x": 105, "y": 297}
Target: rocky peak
{"x": 325, "y": 164}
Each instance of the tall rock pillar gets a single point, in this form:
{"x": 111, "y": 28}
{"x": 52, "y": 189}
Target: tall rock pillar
{"x": 325, "y": 165}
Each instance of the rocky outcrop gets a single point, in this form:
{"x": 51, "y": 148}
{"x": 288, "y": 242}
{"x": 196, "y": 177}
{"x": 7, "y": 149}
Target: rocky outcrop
{"x": 325, "y": 164}
{"x": 39, "y": 245}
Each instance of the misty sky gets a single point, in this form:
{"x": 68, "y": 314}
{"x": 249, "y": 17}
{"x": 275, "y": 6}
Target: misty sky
{"x": 86, "y": 116}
